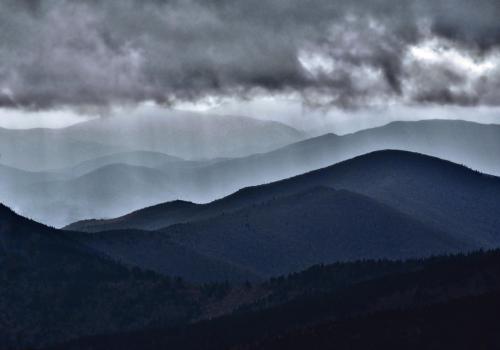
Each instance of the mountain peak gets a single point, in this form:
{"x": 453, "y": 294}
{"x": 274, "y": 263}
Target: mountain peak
{"x": 6, "y": 212}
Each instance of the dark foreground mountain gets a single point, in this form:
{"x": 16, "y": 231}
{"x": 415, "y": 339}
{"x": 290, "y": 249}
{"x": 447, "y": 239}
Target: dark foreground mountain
{"x": 449, "y": 302}
{"x": 53, "y": 288}
{"x": 449, "y": 197}
{"x": 465, "y": 323}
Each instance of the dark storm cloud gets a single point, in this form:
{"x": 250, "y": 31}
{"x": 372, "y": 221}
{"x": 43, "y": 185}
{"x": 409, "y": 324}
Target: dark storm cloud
{"x": 100, "y": 53}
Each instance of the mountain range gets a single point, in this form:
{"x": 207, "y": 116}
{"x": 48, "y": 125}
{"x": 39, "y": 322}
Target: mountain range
{"x": 279, "y": 236}
{"x": 178, "y": 272}
{"x": 180, "y": 134}
{"x": 114, "y": 184}
{"x": 81, "y": 298}
{"x": 386, "y": 204}
{"x": 411, "y": 182}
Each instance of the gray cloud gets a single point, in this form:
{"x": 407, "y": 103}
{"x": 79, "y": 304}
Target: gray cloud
{"x": 99, "y": 53}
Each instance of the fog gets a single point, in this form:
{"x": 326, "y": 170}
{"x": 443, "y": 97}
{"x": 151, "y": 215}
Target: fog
{"x": 107, "y": 167}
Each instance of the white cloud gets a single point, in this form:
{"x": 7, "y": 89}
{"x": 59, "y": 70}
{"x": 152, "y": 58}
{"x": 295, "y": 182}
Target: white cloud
{"x": 22, "y": 119}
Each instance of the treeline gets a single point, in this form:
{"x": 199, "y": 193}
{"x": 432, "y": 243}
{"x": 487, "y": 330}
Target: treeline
{"x": 362, "y": 289}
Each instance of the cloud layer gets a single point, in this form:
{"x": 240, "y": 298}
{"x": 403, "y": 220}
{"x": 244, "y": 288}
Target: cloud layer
{"x": 56, "y": 53}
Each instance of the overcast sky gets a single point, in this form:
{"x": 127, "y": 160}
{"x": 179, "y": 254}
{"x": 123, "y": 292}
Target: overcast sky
{"x": 332, "y": 61}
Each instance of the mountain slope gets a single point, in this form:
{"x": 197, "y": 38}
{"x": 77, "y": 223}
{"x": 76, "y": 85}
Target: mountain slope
{"x": 320, "y": 225}
{"x": 391, "y": 305}
{"x": 53, "y": 288}
{"x": 106, "y": 192}
{"x": 157, "y": 252}
{"x": 150, "y": 218}
{"x": 136, "y": 158}
{"x": 279, "y": 236}
{"x": 13, "y": 180}
{"x": 464, "y": 323}
{"x": 447, "y": 196}
{"x": 474, "y": 145}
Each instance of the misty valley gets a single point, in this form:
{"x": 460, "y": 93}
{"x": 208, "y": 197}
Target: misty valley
{"x": 323, "y": 241}
{"x": 108, "y": 168}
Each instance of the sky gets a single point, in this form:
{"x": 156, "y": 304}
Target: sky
{"x": 314, "y": 64}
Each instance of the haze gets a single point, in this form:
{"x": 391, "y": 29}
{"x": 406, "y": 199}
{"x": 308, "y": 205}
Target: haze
{"x": 107, "y": 107}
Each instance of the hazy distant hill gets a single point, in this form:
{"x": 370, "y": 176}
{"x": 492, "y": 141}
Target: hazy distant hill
{"x": 108, "y": 191}
{"x": 79, "y": 161}
{"x": 46, "y": 149}
{"x": 472, "y": 144}
{"x": 94, "y": 190}
{"x": 12, "y": 180}
{"x": 187, "y": 135}
{"x": 475, "y": 145}
{"x": 14, "y": 190}
{"x": 181, "y": 134}
{"x": 103, "y": 187}
{"x": 448, "y": 196}
{"x": 135, "y": 158}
